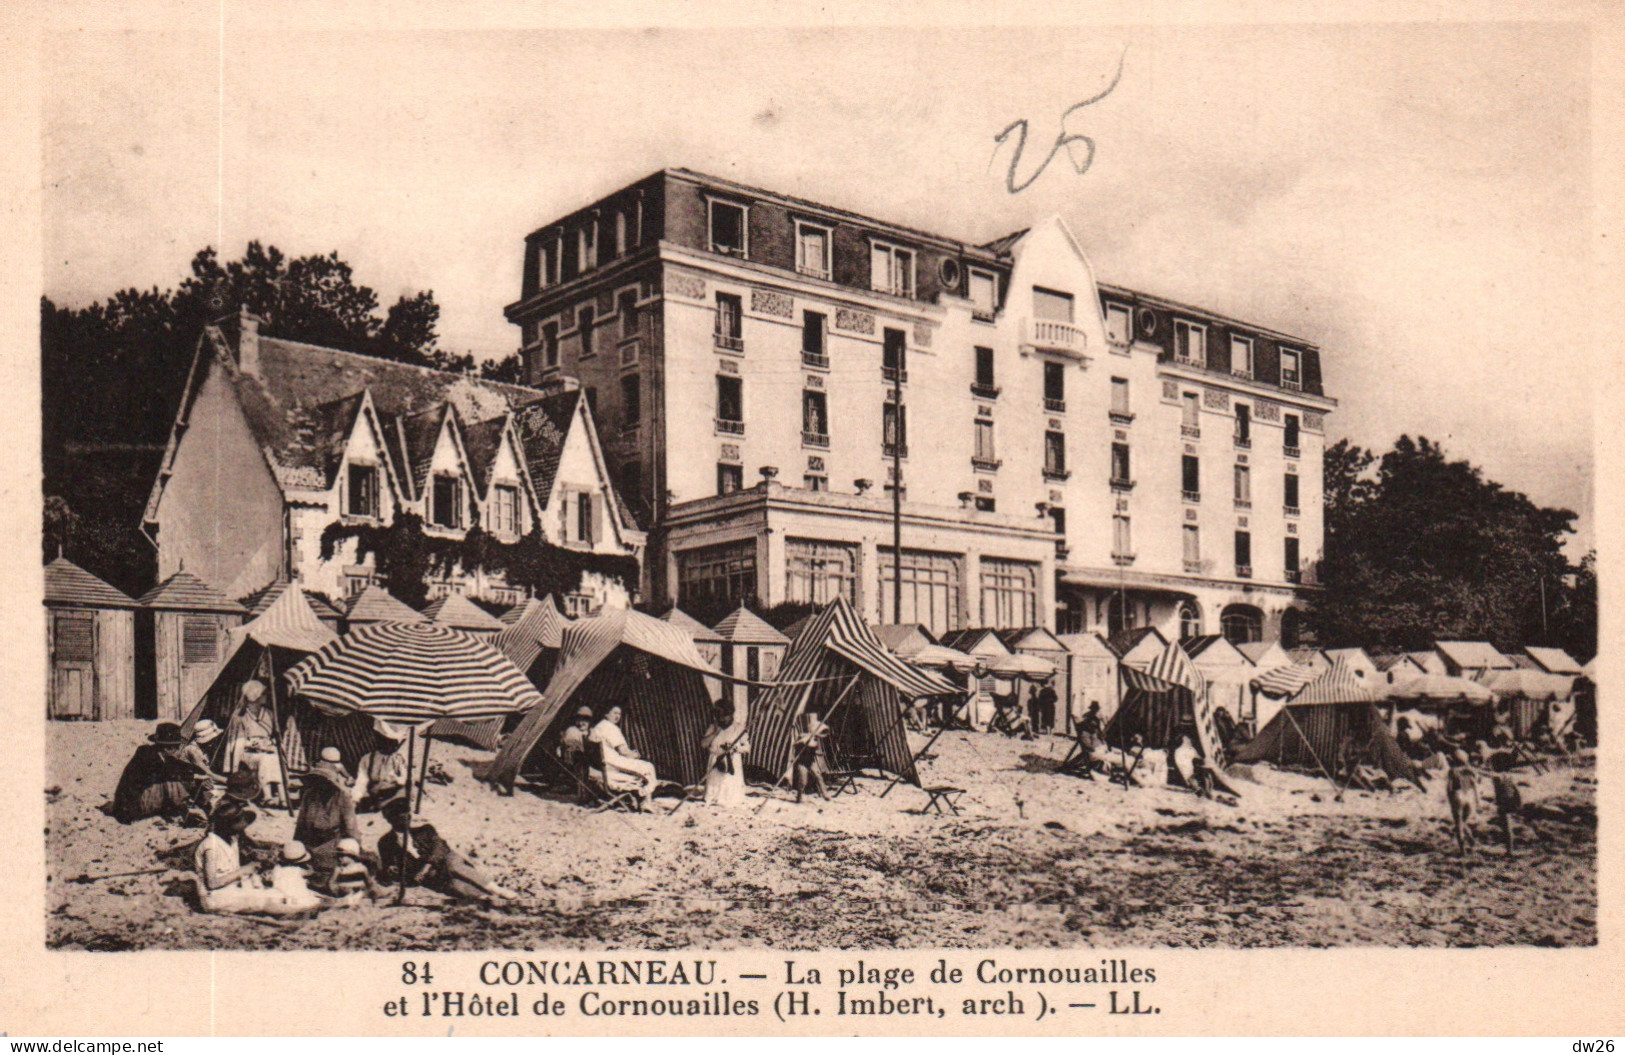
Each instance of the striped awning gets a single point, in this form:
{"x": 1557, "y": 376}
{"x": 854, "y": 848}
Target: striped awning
{"x": 851, "y": 637}
{"x": 1285, "y": 681}
{"x": 414, "y": 673}
{"x": 1173, "y": 664}
{"x": 536, "y": 625}
{"x": 1140, "y": 681}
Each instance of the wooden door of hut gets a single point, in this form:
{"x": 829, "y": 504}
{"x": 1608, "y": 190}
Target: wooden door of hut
{"x": 73, "y": 664}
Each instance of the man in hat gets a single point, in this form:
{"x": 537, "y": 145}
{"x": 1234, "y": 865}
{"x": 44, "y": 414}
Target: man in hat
{"x": 573, "y": 748}
{"x": 426, "y": 860}
{"x": 251, "y": 741}
{"x": 326, "y": 811}
{"x": 166, "y": 777}
{"x": 381, "y": 773}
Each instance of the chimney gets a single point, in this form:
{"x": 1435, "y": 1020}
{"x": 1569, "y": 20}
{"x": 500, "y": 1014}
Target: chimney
{"x": 248, "y": 342}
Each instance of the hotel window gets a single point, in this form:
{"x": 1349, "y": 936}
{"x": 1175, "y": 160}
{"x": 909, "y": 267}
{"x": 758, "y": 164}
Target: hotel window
{"x": 813, "y": 338}
{"x": 363, "y": 491}
{"x": 1241, "y": 356}
{"x": 1191, "y": 477}
{"x": 894, "y": 356}
{"x": 550, "y": 346}
{"x": 1190, "y": 342}
{"x": 1122, "y": 537}
{"x": 1193, "y": 547}
{"x": 1290, "y": 375}
{"x": 1244, "y": 554}
{"x": 985, "y": 380}
{"x": 814, "y": 418}
{"x": 1119, "y": 327}
{"x": 1120, "y": 464}
{"x": 1052, "y": 304}
{"x": 505, "y": 510}
{"x": 569, "y": 255}
{"x": 584, "y": 323}
{"x": 730, "y": 478}
{"x": 631, "y": 401}
{"x": 1055, "y": 453}
{"x": 1009, "y": 592}
{"x": 1190, "y": 620}
{"x": 812, "y": 249}
{"x": 1291, "y": 484}
{"x": 730, "y": 322}
{"x": 1294, "y": 571}
{"x": 1290, "y": 440}
{"x": 1057, "y": 519}
{"x": 932, "y": 589}
{"x": 720, "y": 576}
{"x": 1055, "y": 387}
{"x": 894, "y": 430}
{"x": 588, "y": 246}
{"x": 984, "y": 293}
{"x": 627, "y": 304}
{"x": 891, "y": 270}
{"x": 730, "y": 403}
{"x": 818, "y": 572}
{"x": 1244, "y": 425}
{"x": 815, "y": 482}
{"x": 1190, "y": 421}
{"x": 1120, "y": 396}
{"x": 620, "y": 233}
{"x": 728, "y": 229}
{"x": 985, "y": 454}
{"x": 1244, "y": 486}
{"x": 446, "y": 501}
{"x": 544, "y": 265}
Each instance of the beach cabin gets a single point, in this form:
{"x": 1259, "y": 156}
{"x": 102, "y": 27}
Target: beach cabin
{"x": 707, "y": 640}
{"x": 1265, "y": 655}
{"x": 751, "y": 649}
{"x": 1036, "y": 641}
{"x": 182, "y": 629}
{"x": 1476, "y": 660}
{"x": 1314, "y": 659}
{"x": 1228, "y": 672}
{"x": 1094, "y": 675}
{"x": 1429, "y": 660}
{"x": 1137, "y": 646}
{"x": 984, "y": 644}
{"x": 1399, "y": 667}
{"x": 1357, "y": 662}
{"x": 90, "y": 642}
{"x": 904, "y": 639}
{"x": 1553, "y": 661}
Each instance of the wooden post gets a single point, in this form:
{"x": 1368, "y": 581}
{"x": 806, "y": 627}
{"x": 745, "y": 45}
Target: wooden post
{"x": 423, "y": 778}
{"x": 406, "y": 836}
{"x": 276, "y": 729}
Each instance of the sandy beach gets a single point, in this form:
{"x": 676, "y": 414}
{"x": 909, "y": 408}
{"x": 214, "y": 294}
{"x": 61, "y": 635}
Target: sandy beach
{"x": 1035, "y": 860}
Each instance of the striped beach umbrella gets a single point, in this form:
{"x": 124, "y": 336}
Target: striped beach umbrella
{"x": 413, "y": 674}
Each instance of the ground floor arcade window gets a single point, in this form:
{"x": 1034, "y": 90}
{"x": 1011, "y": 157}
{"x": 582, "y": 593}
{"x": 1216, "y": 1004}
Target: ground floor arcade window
{"x": 932, "y": 590}
{"x": 1242, "y": 624}
{"x": 818, "y": 572}
{"x": 722, "y": 575}
{"x": 1009, "y": 593}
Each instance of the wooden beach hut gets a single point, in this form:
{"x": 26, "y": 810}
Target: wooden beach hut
{"x": 183, "y": 630}
{"x": 90, "y": 642}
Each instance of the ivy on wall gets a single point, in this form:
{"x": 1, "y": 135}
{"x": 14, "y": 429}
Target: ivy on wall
{"x": 407, "y": 557}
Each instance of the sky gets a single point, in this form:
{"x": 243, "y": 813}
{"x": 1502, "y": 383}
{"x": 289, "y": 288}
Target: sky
{"x": 1415, "y": 199}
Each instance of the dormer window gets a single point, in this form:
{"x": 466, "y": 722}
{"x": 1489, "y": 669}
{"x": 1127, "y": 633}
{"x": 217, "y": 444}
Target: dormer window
{"x": 1190, "y": 342}
{"x": 446, "y": 501}
{"x": 728, "y": 229}
{"x": 588, "y": 244}
{"x": 984, "y": 293}
{"x": 891, "y": 269}
{"x": 1118, "y": 325}
{"x": 505, "y": 510}
{"x": 812, "y": 249}
{"x": 361, "y": 494}
{"x": 1291, "y": 377}
{"x": 1241, "y": 356}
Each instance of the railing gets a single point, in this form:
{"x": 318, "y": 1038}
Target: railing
{"x": 986, "y": 464}
{"x": 891, "y": 450}
{"x": 898, "y": 374}
{"x": 1053, "y": 473}
{"x": 1294, "y": 576}
{"x": 1120, "y": 483}
{"x": 1193, "y": 567}
{"x": 1246, "y": 375}
{"x": 1292, "y": 384}
{"x": 1290, "y": 451}
{"x": 1244, "y": 503}
{"x": 814, "y": 360}
{"x": 733, "y": 428}
{"x": 983, "y": 315}
{"x": 1244, "y": 443}
{"x": 981, "y": 391}
{"x": 1244, "y": 571}
{"x": 729, "y": 343}
{"x": 1291, "y": 511}
{"x": 1193, "y": 432}
{"x": 815, "y": 439}
{"x": 1122, "y": 560}
{"x": 1191, "y": 496}
{"x": 1120, "y": 417}
{"x": 1056, "y": 336}
{"x": 813, "y": 272}
{"x": 1055, "y": 406}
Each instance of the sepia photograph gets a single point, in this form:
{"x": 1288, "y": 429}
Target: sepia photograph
{"x": 1035, "y": 486}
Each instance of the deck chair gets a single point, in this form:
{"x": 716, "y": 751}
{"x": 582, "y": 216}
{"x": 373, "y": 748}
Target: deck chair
{"x": 1080, "y": 760}
{"x": 596, "y": 792}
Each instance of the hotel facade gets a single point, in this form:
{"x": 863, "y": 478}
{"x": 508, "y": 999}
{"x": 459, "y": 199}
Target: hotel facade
{"x": 1072, "y": 454}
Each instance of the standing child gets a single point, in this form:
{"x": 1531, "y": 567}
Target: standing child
{"x": 1461, "y": 791}
{"x": 804, "y": 756}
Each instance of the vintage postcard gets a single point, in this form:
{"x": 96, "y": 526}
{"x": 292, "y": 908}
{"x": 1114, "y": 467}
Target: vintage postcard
{"x": 847, "y": 520}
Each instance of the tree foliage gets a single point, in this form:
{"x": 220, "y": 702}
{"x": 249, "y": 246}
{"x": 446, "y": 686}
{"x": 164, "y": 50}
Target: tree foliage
{"x": 1421, "y": 547}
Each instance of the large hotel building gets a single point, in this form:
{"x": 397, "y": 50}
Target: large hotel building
{"x": 1074, "y": 455}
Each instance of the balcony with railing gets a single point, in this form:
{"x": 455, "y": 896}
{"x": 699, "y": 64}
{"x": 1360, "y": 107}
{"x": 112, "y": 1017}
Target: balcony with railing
{"x": 728, "y": 342}
{"x": 891, "y": 450}
{"x": 1290, "y": 451}
{"x": 1057, "y": 472}
{"x": 730, "y": 427}
{"x": 1191, "y": 432}
{"x": 815, "y": 360}
{"x": 815, "y": 439}
{"x": 1291, "y": 511}
{"x": 986, "y": 465}
{"x": 1291, "y": 384}
{"x": 1120, "y": 417}
{"x": 897, "y": 374}
{"x": 1244, "y": 503}
{"x": 1243, "y": 443}
{"x": 981, "y": 391}
{"x": 1054, "y": 406}
{"x": 1191, "y": 496}
{"x": 1193, "y": 567}
{"x": 1244, "y": 571}
{"x": 1122, "y": 560}
{"x": 1052, "y": 335}
{"x": 1295, "y": 576}
{"x": 1122, "y": 483}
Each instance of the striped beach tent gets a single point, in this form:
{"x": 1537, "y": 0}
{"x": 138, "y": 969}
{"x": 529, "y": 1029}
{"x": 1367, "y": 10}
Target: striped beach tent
{"x": 459, "y": 613}
{"x": 530, "y": 631}
{"x": 837, "y": 667}
{"x": 1167, "y": 700}
{"x": 413, "y": 674}
{"x": 649, "y": 667}
{"x": 1285, "y": 681}
{"x": 1338, "y": 685}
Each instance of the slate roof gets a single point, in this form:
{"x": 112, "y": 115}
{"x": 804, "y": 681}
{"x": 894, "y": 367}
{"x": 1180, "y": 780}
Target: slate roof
{"x": 69, "y": 586}
{"x": 1257, "y": 650}
{"x": 185, "y": 592}
{"x": 459, "y": 613}
{"x": 1012, "y": 637}
{"x": 481, "y": 442}
{"x": 696, "y": 629}
{"x": 376, "y": 605}
{"x": 1195, "y": 646}
{"x": 745, "y": 627}
{"x": 543, "y": 424}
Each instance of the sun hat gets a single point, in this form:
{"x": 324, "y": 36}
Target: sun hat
{"x": 206, "y": 731}
{"x": 332, "y": 754}
{"x": 348, "y": 847}
{"x": 168, "y": 733}
{"x": 583, "y": 712}
{"x": 294, "y": 853}
{"x": 253, "y": 690}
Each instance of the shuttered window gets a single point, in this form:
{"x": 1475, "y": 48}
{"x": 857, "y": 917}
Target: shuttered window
{"x": 75, "y": 637}
{"x": 200, "y": 642}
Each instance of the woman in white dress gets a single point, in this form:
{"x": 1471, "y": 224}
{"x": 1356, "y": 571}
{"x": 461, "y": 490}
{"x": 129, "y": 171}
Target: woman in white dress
{"x": 624, "y": 768}
{"x": 726, "y": 743}
{"x": 251, "y": 741}
{"x": 226, "y": 886}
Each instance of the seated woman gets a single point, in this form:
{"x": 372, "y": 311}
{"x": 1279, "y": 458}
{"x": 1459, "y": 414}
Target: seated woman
{"x": 725, "y": 746}
{"x": 166, "y": 777}
{"x": 226, "y": 886}
{"x": 326, "y": 812}
{"x": 251, "y": 741}
{"x": 428, "y": 861}
{"x": 624, "y": 768}
{"x": 380, "y": 775}
{"x": 352, "y": 879}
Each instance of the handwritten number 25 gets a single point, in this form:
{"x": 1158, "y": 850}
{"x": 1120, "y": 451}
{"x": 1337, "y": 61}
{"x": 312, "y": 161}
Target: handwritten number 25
{"x": 1062, "y": 141}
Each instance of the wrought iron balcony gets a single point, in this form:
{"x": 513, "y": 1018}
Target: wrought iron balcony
{"x": 814, "y": 360}
{"x": 1244, "y": 443}
{"x": 730, "y": 343}
{"x": 1120, "y": 417}
{"x": 815, "y": 439}
{"x": 1291, "y": 511}
{"x": 1191, "y": 496}
{"x": 895, "y": 373}
{"x": 1244, "y": 571}
{"x": 1122, "y": 560}
{"x": 732, "y": 428}
{"x": 1244, "y": 503}
{"x": 1121, "y": 483}
{"x": 986, "y": 464}
{"x": 1052, "y": 472}
{"x": 1055, "y": 406}
{"x": 1290, "y": 451}
{"x": 1191, "y": 432}
{"x": 981, "y": 391}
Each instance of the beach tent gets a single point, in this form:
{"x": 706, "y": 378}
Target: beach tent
{"x": 459, "y": 613}
{"x": 1272, "y": 688}
{"x": 838, "y": 667}
{"x": 263, "y": 598}
{"x": 90, "y": 639}
{"x": 376, "y": 605}
{"x": 620, "y": 656}
{"x": 531, "y": 636}
{"x": 1163, "y": 703}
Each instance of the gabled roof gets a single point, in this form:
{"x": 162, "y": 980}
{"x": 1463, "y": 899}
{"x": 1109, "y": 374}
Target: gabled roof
{"x": 185, "y": 592}
{"x": 696, "y": 629}
{"x": 543, "y": 425}
{"x": 1030, "y": 637}
{"x": 1216, "y": 647}
{"x": 1387, "y": 663}
{"x": 972, "y": 641}
{"x": 1475, "y": 654}
{"x": 1087, "y": 645}
{"x": 1125, "y": 641}
{"x": 898, "y": 636}
{"x": 263, "y": 598}
{"x": 69, "y": 586}
{"x": 481, "y": 442}
{"x": 1261, "y": 652}
{"x": 1307, "y": 656}
{"x": 1353, "y": 658}
{"x": 1553, "y": 660}
{"x": 376, "y": 605}
{"x": 459, "y": 613}
{"x": 745, "y": 627}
